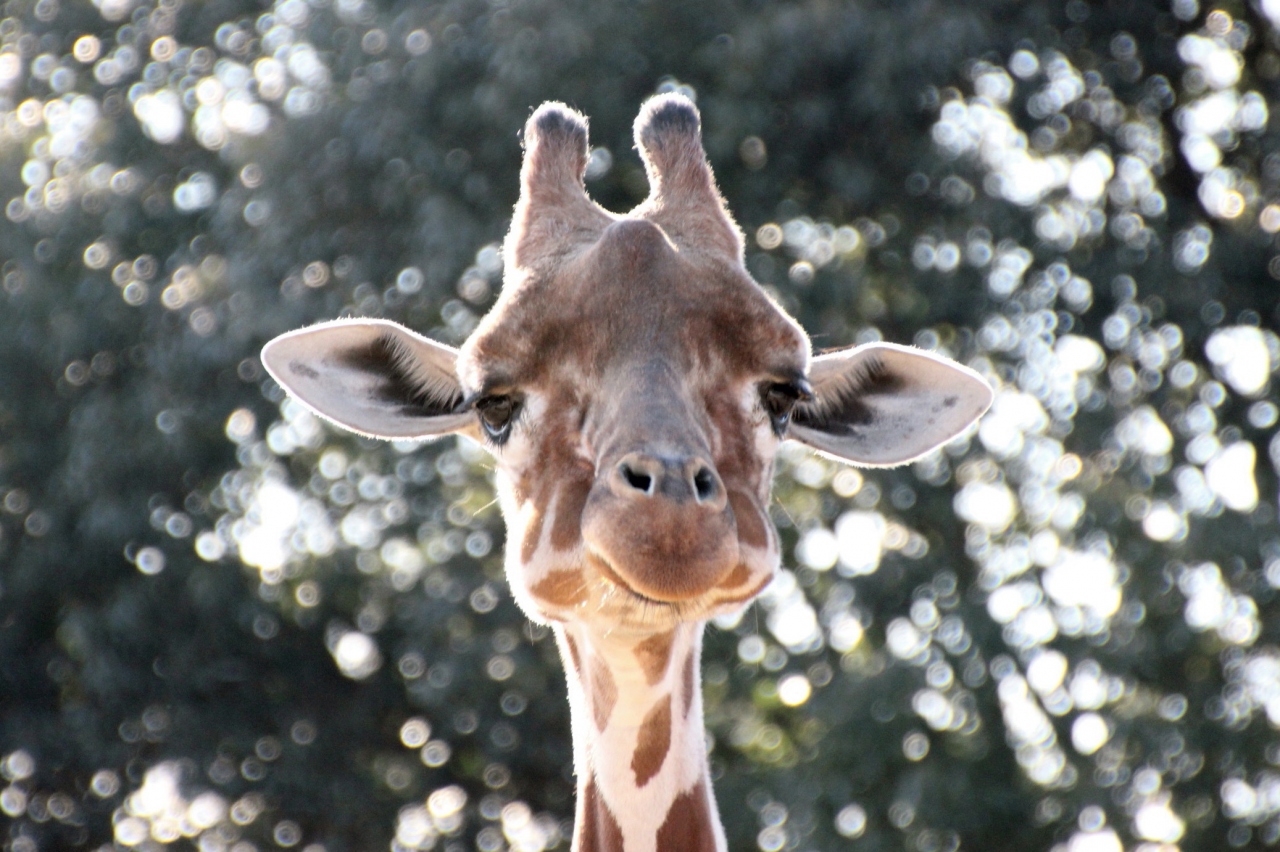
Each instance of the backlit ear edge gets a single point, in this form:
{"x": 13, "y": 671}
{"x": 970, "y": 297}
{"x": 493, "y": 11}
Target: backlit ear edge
{"x": 884, "y": 405}
{"x": 373, "y": 377}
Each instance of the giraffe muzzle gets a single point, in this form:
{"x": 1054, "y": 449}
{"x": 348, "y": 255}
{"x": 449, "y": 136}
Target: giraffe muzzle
{"x": 663, "y": 526}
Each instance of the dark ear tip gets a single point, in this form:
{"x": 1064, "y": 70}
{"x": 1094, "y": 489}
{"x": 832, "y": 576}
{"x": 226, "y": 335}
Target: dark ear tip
{"x": 555, "y": 120}
{"x": 668, "y": 114}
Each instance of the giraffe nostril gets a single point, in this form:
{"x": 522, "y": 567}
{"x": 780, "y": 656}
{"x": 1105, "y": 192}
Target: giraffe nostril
{"x": 668, "y": 479}
{"x": 636, "y": 479}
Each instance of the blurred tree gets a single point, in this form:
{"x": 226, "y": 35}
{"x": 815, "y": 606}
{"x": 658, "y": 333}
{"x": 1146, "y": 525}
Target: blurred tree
{"x": 224, "y": 625}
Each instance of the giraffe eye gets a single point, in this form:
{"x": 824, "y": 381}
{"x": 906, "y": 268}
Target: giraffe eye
{"x": 779, "y": 400}
{"x": 497, "y": 413}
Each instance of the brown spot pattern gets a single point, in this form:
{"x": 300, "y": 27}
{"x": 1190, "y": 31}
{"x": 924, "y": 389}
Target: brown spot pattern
{"x": 598, "y": 830}
{"x": 566, "y": 526}
{"x": 652, "y": 742}
{"x": 747, "y": 595}
{"x": 690, "y": 684}
{"x": 751, "y": 530}
{"x": 604, "y": 692}
{"x": 575, "y": 658}
{"x": 654, "y": 654}
{"x": 740, "y": 574}
{"x": 561, "y": 588}
{"x": 689, "y": 826}
{"x": 555, "y": 473}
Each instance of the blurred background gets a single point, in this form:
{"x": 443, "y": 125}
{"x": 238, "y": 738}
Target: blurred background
{"x": 226, "y": 626}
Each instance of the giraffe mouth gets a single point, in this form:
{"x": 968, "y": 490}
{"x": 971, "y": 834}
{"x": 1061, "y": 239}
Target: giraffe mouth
{"x": 610, "y": 574}
{"x": 649, "y": 613}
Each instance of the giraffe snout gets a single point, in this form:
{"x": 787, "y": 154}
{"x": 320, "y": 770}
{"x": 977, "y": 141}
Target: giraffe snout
{"x": 661, "y": 525}
{"x": 643, "y": 476}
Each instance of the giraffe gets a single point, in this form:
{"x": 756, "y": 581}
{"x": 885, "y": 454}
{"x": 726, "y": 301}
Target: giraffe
{"x": 633, "y": 384}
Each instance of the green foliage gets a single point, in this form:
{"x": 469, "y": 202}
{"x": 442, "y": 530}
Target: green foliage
{"x": 224, "y": 625}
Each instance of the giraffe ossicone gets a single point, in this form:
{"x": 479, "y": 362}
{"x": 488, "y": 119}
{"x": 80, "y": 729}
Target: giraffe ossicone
{"x": 633, "y": 384}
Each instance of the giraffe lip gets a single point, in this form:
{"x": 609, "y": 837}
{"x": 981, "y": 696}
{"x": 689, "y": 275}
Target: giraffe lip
{"x": 609, "y": 573}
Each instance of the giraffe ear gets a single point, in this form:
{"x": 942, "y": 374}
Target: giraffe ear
{"x": 883, "y": 405}
{"x": 371, "y": 376}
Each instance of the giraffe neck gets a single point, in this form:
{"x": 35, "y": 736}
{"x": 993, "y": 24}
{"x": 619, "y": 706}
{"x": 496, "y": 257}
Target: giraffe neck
{"x": 639, "y": 748}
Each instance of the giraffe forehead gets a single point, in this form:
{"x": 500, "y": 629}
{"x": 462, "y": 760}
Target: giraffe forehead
{"x": 627, "y": 296}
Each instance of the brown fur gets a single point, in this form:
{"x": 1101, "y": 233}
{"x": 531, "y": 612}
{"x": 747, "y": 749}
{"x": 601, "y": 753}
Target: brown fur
{"x": 690, "y": 683}
{"x": 689, "y": 823}
{"x": 561, "y": 588}
{"x": 654, "y": 654}
{"x": 604, "y": 691}
{"x": 744, "y": 596}
{"x": 751, "y": 531}
{"x": 575, "y": 658}
{"x": 738, "y": 576}
{"x": 597, "y": 829}
{"x": 653, "y": 742}
{"x": 566, "y": 527}
{"x": 555, "y": 473}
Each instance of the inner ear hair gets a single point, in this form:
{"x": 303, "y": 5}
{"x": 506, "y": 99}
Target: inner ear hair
{"x": 842, "y": 401}
{"x": 407, "y": 381}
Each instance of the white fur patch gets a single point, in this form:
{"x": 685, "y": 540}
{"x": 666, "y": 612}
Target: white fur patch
{"x": 607, "y": 756}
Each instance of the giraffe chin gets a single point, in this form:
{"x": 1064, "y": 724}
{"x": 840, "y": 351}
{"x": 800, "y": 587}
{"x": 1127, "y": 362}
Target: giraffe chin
{"x": 635, "y": 610}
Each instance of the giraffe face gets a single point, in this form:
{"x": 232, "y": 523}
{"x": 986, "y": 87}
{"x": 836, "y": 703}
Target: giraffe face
{"x": 633, "y": 384}
{"x": 635, "y": 428}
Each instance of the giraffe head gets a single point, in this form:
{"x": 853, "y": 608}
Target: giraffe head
{"x": 633, "y": 384}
